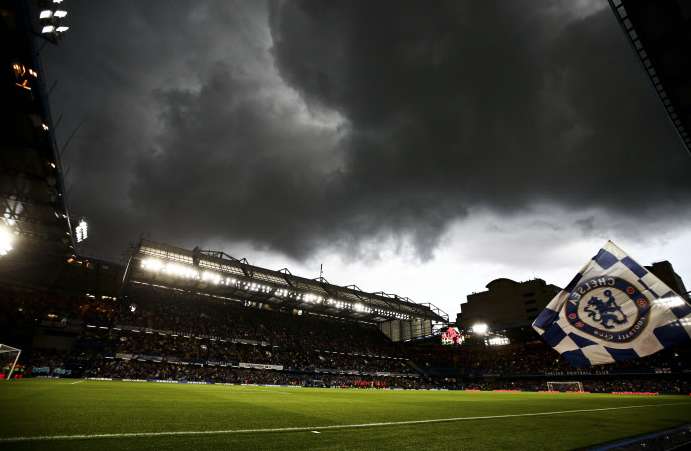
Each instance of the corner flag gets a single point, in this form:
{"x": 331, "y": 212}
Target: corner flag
{"x": 613, "y": 310}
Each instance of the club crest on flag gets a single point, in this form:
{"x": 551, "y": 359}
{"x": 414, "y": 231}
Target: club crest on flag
{"x": 609, "y": 308}
{"x": 613, "y": 310}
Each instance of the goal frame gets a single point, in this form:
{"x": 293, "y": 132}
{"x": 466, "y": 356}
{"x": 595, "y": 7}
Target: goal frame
{"x": 551, "y": 384}
{"x": 6, "y": 349}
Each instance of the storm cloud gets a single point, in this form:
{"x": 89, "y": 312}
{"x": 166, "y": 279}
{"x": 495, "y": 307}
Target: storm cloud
{"x": 292, "y": 127}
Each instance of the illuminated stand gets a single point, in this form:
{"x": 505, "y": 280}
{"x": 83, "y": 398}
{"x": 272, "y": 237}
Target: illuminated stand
{"x": 9, "y": 354}
{"x": 216, "y": 274}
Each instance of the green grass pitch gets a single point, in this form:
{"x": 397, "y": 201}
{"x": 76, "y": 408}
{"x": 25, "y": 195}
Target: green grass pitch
{"x": 210, "y": 416}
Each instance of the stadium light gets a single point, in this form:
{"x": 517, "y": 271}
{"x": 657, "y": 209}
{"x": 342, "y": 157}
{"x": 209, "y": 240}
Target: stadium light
{"x": 498, "y": 341}
{"x": 45, "y": 14}
{"x": 48, "y": 29}
{"x": 175, "y": 269}
{"x": 152, "y": 264}
{"x": 62, "y": 29}
{"x": 6, "y": 240}
{"x": 82, "y": 231}
{"x": 208, "y": 276}
{"x": 480, "y": 328}
{"x": 60, "y": 13}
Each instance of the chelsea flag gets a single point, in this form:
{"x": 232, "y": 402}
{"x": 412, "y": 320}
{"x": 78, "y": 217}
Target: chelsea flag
{"x": 613, "y": 310}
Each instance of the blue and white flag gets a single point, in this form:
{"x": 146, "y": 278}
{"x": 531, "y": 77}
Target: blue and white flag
{"x": 613, "y": 310}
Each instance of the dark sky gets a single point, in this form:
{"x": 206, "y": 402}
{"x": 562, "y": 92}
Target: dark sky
{"x": 291, "y": 128}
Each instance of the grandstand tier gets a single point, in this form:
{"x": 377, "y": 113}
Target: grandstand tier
{"x": 216, "y": 274}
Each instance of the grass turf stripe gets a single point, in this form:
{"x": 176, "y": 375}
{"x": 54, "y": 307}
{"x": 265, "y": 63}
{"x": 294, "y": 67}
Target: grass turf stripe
{"x": 317, "y": 428}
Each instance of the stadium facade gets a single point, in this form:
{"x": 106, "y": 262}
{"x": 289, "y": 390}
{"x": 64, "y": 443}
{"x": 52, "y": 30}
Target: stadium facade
{"x": 35, "y": 229}
{"x": 507, "y": 304}
{"x": 666, "y": 273}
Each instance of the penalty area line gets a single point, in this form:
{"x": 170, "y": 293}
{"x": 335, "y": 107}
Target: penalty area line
{"x": 318, "y": 428}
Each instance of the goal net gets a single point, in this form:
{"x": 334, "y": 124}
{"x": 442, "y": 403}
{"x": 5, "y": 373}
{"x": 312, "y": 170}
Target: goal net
{"x": 8, "y": 360}
{"x": 565, "y": 386}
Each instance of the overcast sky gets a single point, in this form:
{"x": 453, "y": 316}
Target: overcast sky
{"x": 420, "y": 148}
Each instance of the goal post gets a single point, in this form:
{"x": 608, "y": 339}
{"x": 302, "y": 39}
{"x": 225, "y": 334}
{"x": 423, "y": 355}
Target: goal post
{"x": 569, "y": 386}
{"x": 9, "y": 357}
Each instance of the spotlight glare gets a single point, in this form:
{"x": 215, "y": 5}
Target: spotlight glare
{"x": 82, "y": 231}
{"x": 152, "y": 264}
{"x": 6, "y": 240}
{"x": 480, "y": 328}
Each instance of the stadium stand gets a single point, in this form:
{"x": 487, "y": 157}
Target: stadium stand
{"x": 167, "y": 335}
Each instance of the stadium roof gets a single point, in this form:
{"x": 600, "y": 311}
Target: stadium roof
{"x": 660, "y": 33}
{"x": 218, "y": 274}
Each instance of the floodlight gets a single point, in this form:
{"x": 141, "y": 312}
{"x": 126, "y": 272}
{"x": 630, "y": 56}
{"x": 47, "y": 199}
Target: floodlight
{"x": 208, "y": 276}
{"x": 46, "y": 14}
{"x": 178, "y": 270}
{"x": 62, "y": 28}
{"x": 152, "y": 264}
{"x": 498, "y": 341}
{"x": 57, "y": 1}
{"x": 48, "y": 29}
{"x": 60, "y": 13}
{"x": 480, "y": 328}
{"x": 6, "y": 240}
{"x": 82, "y": 231}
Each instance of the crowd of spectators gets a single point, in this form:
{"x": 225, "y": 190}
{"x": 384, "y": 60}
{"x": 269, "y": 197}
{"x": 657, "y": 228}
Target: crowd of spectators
{"x": 26, "y": 308}
{"x": 149, "y": 307}
{"x": 536, "y": 358}
{"x": 159, "y": 334}
{"x": 193, "y": 349}
{"x": 671, "y": 385}
{"x": 162, "y": 371}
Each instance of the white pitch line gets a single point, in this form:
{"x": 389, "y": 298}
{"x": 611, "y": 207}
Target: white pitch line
{"x": 317, "y": 428}
{"x": 77, "y": 382}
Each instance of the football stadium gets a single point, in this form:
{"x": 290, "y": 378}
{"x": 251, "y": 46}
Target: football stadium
{"x": 176, "y": 346}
